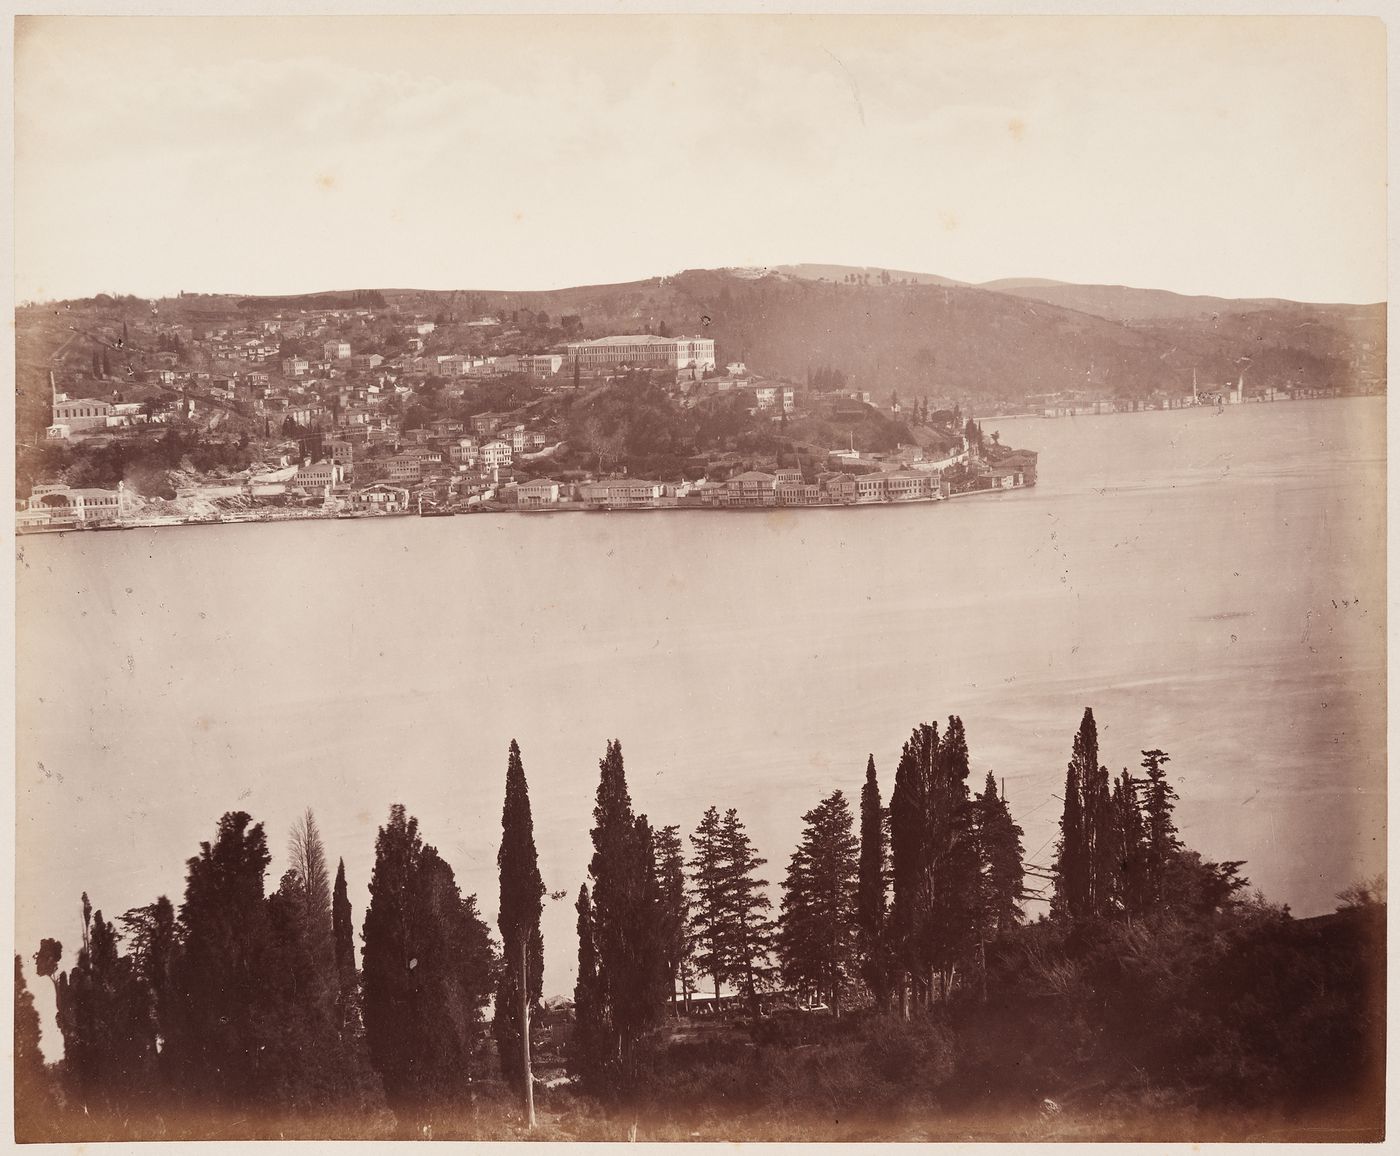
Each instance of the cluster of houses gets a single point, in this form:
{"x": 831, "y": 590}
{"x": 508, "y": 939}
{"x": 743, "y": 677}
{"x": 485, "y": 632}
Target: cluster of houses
{"x": 782, "y": 487}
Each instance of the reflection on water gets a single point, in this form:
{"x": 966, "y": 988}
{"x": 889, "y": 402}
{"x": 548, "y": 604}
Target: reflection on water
{"x": 1211, "y": 584}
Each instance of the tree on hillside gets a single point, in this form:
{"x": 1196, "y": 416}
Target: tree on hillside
{"x": 518, "y": 985}
{"x": 428, "y": 962}
{"x": 872, "y": 941}
{"x": 675, "y": 909}
{"x": 817, "y": 929}
{"x": 627, "y": 932}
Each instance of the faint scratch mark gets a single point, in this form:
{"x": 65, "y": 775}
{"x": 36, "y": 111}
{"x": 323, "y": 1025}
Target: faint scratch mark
{"x": 851, "y": 80}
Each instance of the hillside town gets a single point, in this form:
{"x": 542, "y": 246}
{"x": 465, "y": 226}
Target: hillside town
{"x": 364, "y": 410}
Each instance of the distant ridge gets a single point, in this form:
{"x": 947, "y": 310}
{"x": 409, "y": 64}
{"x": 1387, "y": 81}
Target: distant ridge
{"x": 916, "y": 333}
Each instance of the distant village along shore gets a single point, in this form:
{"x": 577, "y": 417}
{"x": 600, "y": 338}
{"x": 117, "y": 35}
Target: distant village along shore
{"x": 363, "y": 412}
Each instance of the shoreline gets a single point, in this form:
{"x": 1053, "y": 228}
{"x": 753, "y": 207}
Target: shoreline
{"x": 174, "y": 522}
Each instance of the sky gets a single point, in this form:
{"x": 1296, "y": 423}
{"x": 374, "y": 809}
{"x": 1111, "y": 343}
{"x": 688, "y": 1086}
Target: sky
{"x": 1228, "y": 156}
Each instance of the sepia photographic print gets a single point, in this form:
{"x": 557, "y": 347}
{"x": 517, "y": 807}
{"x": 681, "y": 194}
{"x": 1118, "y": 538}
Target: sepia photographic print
{"x": 700, "y": 578}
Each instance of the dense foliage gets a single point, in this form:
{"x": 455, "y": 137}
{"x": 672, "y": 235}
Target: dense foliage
{"x": 1158, "y": 999}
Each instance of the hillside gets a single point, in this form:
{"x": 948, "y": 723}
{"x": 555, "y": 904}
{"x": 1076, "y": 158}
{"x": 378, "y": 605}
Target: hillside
{"x": 946, "y": 339}
{"x": 888, "y": 330}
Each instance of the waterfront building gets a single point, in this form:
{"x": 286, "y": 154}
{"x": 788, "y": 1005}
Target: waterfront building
{"x": 382, "y": 498}
{"x": 870, "y": 488}
{"x": 752, "y": 488}
{"x": 540, "y": 492}
{"x": 839, "y": 487}
{"x": 619, "y": 492}
{"x": 56, "y": 504}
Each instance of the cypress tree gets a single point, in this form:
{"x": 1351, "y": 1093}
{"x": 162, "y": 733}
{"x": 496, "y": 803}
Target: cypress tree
{"x": 585, "y": 1045}
{"x": 911, "y": 853}
{"x": 631, "y": 965}
{"x": 1161, "y": 842}
{"x": 818, "y": 926}
{"x": 1129, "y": 836}
{"x": 953, "y": 857}
{"x": 870, "y": 915}
{"x": 675, "y": 909}
{"x": 522, "y": 945}
{"x": 343, "y": 934}
{"x": 1074, "y": 859}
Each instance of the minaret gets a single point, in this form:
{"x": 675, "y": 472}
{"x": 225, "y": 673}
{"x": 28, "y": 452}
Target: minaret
{"x": 1193, "y": 386}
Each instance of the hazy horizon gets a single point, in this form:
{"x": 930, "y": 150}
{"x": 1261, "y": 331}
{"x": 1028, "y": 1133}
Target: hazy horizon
{"x": 990, "y": 286}
{"x": 1239, "y": 157}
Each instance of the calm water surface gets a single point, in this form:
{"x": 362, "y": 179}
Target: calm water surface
{"x": 1211, "y": 583}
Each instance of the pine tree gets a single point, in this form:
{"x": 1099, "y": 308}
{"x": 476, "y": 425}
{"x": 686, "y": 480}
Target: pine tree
{"x": 707, "y": 907}
{"x": 675, "y": 909}
{"x": 874, "y": 871}
{"x": 749, "y": 928}
{"x": 522, "y": 945}
{"x": 1001, "y": 867}
{"x": 1161, "y": 842}
{"x": 428, "y": 965}
{"x": 817, "y": 929}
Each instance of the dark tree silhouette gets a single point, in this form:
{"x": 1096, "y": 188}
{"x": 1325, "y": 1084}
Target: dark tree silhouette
{"x": 627, "y": 934}
{"x": 817, "y": 929}
{"x": 522, "y": 946}
{"x": 428, "y": 963}
{"x": 872, "y": 941}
